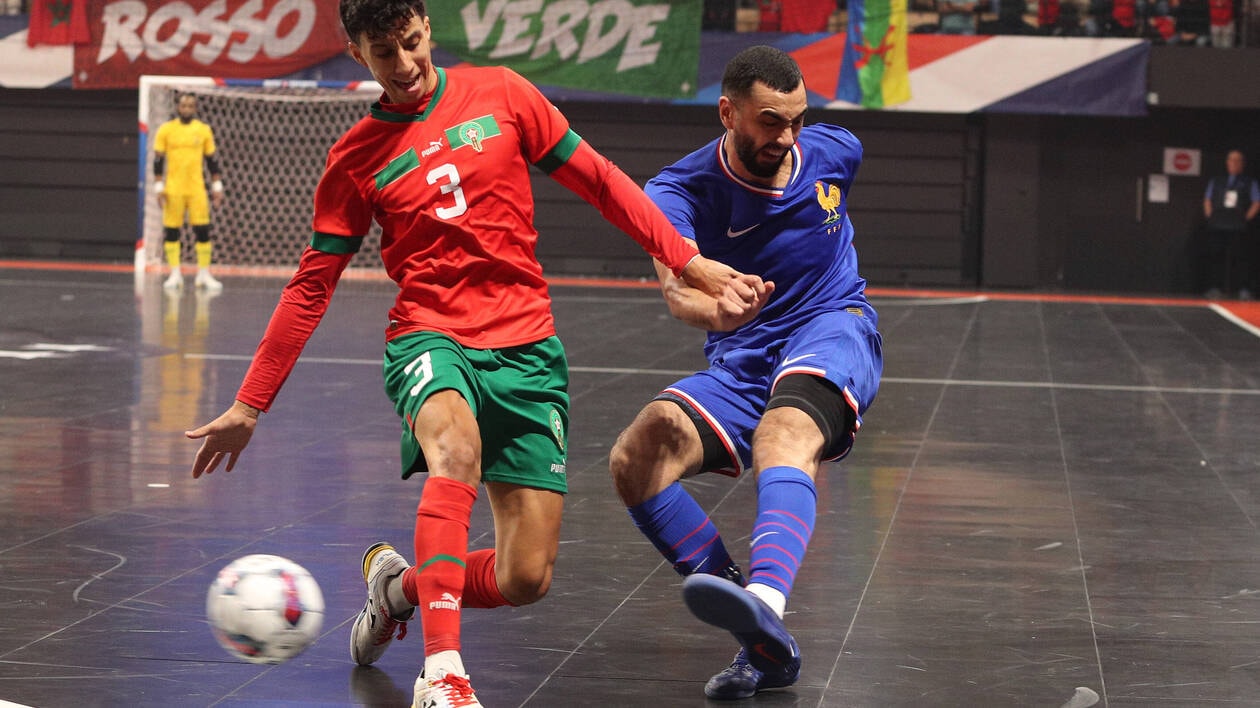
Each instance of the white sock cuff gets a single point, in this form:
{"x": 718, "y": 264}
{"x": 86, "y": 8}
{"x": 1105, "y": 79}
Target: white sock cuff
{"x": 444, "y": 662}
{"x": 772, "y": 597}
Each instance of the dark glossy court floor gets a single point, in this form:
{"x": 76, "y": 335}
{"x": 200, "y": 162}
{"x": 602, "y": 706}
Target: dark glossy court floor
{"x": 1046, "y": 495}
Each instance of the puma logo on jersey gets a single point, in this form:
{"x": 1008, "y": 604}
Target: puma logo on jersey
{"x": 434, "y": 146}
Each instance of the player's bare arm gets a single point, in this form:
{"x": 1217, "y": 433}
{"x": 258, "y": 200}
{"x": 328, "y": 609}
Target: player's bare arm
{"x": 226, "y": 435}
{"x": 738, "y": 301}
{"x": 708, "y": 276}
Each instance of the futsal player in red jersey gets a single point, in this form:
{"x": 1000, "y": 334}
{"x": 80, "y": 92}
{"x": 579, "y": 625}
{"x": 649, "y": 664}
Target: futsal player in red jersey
{"x": 472, "y": 363}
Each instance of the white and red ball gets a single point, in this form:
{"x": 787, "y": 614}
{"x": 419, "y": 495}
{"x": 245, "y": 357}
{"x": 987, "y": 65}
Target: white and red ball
{"x": 264, "y": 608}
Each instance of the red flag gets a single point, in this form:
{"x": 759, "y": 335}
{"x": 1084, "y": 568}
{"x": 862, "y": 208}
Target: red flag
{"x": 805, "y": 15}
{"x": 58, "y": 22}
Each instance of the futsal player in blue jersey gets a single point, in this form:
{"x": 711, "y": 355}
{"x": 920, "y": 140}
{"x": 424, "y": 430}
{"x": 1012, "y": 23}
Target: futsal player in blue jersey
{"x": 788, "y": 379}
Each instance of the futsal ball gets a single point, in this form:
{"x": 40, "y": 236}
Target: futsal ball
{"x": 265, "y": 609}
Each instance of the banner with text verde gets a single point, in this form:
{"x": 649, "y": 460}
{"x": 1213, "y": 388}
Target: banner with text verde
{"x": 634, "y": 47}
{"x": 254, "y": 39}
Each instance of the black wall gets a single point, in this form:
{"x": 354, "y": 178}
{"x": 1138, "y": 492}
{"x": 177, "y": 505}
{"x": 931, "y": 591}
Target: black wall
{"x": 913, "y": 205}
{"x": 1065, "y": 198}
{"x": 1004, "y": 201}
{"x": 68, "y": 174}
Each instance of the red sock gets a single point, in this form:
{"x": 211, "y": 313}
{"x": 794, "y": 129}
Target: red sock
{"x": 436, "y": 583}
{"x": 481, "y": 588}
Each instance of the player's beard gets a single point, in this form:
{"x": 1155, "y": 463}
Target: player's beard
{"x": 747, "y": 153}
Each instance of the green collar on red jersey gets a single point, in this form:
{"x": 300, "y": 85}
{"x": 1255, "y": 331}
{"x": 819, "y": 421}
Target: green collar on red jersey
{"x": 380, "y": 113}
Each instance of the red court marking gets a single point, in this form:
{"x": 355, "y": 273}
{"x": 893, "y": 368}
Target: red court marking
{"x": 1248, "y": 311}
{"x": 1159, "y": 300}
{"x": 66, "y": 265}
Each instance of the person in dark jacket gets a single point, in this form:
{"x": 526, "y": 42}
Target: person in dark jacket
{"x": 1230, "y": 204}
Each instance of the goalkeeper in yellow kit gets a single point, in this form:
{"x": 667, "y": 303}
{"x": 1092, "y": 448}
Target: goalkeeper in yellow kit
{"x": 183, "y": 149}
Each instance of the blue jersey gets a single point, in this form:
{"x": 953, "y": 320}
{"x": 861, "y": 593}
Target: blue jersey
{"x": 799, "y": 237}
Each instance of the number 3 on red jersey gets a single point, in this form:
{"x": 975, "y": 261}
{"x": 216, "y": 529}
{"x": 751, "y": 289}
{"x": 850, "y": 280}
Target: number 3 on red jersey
{"x": 450, "y": 175}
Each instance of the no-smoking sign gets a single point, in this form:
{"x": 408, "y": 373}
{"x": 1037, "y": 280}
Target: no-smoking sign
{"x": 1182, "y": 161}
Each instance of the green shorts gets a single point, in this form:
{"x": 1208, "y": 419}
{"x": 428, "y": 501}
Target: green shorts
{"x": 519, "y": 395}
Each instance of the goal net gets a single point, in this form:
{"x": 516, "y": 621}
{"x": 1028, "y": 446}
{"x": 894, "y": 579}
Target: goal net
{"x": 272, "y": 139}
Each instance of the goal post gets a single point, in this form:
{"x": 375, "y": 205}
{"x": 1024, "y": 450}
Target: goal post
{"x": 272, "y": 139}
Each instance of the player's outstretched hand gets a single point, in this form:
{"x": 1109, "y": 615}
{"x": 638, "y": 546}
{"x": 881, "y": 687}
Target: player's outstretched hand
{"x": 708, "y": 276}
{"x": 226, "y": 435}
{"x": 741, "y": 300}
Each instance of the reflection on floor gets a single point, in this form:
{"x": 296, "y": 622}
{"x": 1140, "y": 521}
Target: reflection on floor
{"x": 1050, "y": 499}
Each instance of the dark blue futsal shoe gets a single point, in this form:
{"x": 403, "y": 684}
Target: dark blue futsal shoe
{"x": 741, "y": 680}
{"x": 768, "y": 646}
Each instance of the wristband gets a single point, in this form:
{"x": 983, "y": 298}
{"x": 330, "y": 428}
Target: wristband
{"x": 159, "y": 187}
{"x": 216, "y": 186}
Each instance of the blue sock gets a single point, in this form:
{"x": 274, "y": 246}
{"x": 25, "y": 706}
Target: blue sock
{"x": 787, "y": 505}
{"x": 682, "y": 532}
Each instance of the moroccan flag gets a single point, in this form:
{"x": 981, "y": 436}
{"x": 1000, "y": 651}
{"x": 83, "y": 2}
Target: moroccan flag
{"x": 875, "y": 71}
{"x": 58, "y": 22}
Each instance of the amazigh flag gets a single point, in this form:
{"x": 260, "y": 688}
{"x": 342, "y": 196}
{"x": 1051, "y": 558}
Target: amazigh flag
{"x": 875, "y": 72}
{"x": 58, "y": 22}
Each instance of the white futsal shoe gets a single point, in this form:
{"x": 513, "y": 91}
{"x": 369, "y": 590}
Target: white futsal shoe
{"x": 374, "y": 627}
{"x": 174, "y": 282}
{"x": 208, "y": 282}
{"x": 447, "y": 690}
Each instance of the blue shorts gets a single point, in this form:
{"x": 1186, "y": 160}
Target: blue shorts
{"x": 730, "y": 396}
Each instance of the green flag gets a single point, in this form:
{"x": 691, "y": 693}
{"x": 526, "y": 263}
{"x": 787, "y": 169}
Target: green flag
{"x": 635, "y": 47}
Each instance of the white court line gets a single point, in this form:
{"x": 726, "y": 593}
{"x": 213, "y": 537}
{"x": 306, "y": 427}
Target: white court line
{"x": 1076, "y": 386}
{"x": 1224, "y": 312}
{"x": 884, "y": 380}
{"x": 307, "y": 359}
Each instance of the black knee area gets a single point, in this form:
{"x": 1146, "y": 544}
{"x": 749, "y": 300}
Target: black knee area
{"x": 169, "y": 234}
{"x": 202, "y": 233}
{"x": 824, "y": 403}
{"x": 716, "y": 456}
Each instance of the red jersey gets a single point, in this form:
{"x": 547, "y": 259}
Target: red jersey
{"x": 449, "y": 184}
{"x": 450, "y": 188}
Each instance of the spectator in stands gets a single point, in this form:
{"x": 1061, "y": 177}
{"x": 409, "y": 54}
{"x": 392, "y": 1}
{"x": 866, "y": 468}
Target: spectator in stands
{"x": 1193, "y": 27}
{"x": 956, "y": 16}
{"x": 1221, "y": 23}
{"x": 1230, "y": 204}
{"x": 1250, "y": 24}
{"x": 1161, "y": 25}
{"x": 1061, "y": 19}
{"x": 1010, "y": 19}
{"x": 1117, "y": 18}
{"x": 1047, "y": 16}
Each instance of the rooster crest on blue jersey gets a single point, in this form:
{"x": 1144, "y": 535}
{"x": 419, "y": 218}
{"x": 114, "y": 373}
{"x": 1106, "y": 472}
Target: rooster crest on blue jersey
{"x": 830, "y": 199}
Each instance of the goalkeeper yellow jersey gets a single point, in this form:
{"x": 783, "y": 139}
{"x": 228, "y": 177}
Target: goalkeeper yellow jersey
{"x": 186, "y": 145}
